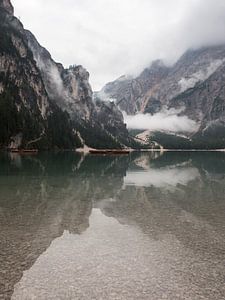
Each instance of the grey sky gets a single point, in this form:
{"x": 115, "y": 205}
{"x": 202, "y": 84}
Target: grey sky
{"x": 114, "y": 37}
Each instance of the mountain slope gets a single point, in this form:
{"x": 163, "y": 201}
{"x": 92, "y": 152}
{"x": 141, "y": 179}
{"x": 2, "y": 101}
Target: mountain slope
{"x": 25, "y": 109}
{"x": 99, "y": 124}
{"x": 129, "y": 93}
{"x": 194, "y": 86}
{"x": 42, "y": 104}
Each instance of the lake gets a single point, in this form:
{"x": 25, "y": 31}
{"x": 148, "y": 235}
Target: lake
{"x": 142, "y": 226}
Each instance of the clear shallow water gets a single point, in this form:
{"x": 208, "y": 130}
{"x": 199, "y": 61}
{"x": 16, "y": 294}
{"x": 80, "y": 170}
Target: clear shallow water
{"x": 145, "y": 226}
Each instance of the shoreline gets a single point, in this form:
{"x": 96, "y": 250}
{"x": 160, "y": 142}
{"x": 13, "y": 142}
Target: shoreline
{"x": 87, "y": 150}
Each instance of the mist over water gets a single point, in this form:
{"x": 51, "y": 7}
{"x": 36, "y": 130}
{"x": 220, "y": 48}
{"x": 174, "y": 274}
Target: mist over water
{"x": 143, "y": 226}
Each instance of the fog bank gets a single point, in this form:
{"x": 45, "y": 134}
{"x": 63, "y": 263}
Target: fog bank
{"x": 114, "y": 37}
{"x": 166, "y": 120}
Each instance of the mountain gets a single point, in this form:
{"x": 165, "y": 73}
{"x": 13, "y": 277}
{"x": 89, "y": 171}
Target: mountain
{"x": 129, "y": 92}
{"x": 45, "y": 106}
{"x": 194, "y": 86}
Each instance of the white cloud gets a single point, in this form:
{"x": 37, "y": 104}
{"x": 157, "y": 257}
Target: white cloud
{"x": 166, "y": 120}
{"x": 113, "y": 37}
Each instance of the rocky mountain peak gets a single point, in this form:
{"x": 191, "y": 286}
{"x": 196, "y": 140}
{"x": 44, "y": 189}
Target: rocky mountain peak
{"x": 158, "y": 63}
{"x": 79, "y": 70}
{"x": 7, "y": 5}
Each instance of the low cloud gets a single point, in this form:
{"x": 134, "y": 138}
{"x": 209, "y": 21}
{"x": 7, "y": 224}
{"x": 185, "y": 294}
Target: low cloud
{"x": 166, "y": 120}
{"x": 115, "y": 37}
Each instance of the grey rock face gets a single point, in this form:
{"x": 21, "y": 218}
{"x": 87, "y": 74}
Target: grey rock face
{"x": 69, "y": 88}
{"x": 24, "y": 101}
{"x": 203, "y": 99}
{"x": 194, "y": 67}
{"x": 133, "y": 94}
{"x": 194, "y": 85}
{"x": 6, "y": 4}
{"x": 159, "y": 84}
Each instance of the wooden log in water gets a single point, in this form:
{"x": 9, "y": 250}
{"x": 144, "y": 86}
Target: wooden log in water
{"x": 109, "y": 151}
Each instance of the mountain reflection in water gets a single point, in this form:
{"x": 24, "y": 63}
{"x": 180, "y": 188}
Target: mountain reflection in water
{"x": 144, "y": 226}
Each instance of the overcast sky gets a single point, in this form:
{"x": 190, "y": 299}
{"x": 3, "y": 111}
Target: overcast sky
{"x": 115, "y": 37}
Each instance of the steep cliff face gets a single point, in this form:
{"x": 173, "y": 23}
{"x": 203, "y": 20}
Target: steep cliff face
{"x": 195, "y": 85}
{"x": 98, "y": 124}
{"x": 69, "y": 88}
{"x": 44, "y": 105}
{"x": 28, "y": 117}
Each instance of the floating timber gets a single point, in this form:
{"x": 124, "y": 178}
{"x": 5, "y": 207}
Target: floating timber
{"x": 24, "y": 151}
{"x": 118, "y": 152}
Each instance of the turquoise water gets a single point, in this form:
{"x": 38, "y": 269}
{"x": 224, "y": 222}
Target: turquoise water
{"x": 144, "y": 226}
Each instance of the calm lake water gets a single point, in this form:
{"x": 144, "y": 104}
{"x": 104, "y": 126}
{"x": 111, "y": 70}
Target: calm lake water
{"x": 144, "y": 226}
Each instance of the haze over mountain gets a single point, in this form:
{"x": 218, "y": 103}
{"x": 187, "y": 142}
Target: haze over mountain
{"x": 111, "y": 38}
{"x": 187, "y": 98}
